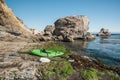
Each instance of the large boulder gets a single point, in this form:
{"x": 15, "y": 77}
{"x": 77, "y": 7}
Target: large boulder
{"x": 74, "y": 27}
{"x": 104, "y": 32}
{"x": 11, "y": 24}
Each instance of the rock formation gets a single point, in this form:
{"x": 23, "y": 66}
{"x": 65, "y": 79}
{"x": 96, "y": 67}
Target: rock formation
{"x": 73, "y": 27}
{"x": 47, "y": 35}
{"x": 49, "y": 30}
{"x": 10, "y": 25}
{"x": 104, "y": 32}
{"x": 67, "y": 29}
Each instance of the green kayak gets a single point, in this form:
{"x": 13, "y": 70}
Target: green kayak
{"x": 46, "y": 53}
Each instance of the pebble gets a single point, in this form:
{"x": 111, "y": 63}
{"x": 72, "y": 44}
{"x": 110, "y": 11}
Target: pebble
{"x": 44, "y": 59}
{"x": 71, "y": 60}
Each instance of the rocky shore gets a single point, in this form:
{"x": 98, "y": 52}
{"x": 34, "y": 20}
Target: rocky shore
{"x": 17, "y": 41}
{"x": 18, "y": 64}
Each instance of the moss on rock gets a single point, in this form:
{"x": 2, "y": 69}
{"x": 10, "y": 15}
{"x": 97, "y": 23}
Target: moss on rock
{"x": 94, "y": 74}
{"x": 90, "y": 74}
{"x": 56, "y": 71}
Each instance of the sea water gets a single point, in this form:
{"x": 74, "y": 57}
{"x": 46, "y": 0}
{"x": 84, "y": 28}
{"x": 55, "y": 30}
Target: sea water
{"x": 106, "y": 49}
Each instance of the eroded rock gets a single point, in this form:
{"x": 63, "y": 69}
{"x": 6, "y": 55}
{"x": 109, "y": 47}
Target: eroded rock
{"x": 72, "y": 27}
{"x": 104, "y": 32}
{"x": 11, "y": 25}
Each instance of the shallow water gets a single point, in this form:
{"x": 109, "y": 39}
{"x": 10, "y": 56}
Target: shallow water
{"x": 105, "y": 49}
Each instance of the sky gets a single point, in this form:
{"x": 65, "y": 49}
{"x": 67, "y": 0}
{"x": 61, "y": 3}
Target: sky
{"x": 40, "y": 13}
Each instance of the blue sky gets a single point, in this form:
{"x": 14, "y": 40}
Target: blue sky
{"x": 39, "y": 13}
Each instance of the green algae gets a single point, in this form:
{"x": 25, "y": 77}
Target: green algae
{"x": 94, "y": 74}
{"x": 114, "y": 76}
{"x": 60, "y": 48}
{"x": 90, "y": 74}
{"x": 56, "y": 70}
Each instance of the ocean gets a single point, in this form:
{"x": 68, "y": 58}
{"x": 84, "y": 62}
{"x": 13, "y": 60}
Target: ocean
{"x": 106, "y": 49}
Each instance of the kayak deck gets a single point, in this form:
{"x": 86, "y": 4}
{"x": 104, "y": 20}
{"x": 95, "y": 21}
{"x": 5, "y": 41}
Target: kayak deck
{"x": 46, "y": 53}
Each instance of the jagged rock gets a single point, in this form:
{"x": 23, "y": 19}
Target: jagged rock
{"x": 104, "y": 32}
{"x": 73, "y": 27}
{"x": 49, "y": 28}
{"x": 68, "y": 39}
{"x": 11, "y": 24}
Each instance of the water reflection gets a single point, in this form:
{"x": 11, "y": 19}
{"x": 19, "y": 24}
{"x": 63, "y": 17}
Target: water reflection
{"x": 106, "y": 49}
{"x": 109, "y": 40}
{"x": 75, "y": 45}
{"x": 103, "y": 40}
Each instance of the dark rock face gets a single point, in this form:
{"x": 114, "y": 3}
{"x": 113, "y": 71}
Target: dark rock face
{"x": 10, "y": 24}
{"x": 104, "y": 32}
{"x": 73, "y": 27}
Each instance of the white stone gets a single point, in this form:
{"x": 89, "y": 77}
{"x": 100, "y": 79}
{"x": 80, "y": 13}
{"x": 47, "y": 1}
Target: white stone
{"x": 71, "y": 60}
{"x": 44, "y": 59}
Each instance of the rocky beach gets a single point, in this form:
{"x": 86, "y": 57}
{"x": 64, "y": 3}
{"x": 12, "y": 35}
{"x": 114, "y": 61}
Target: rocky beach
{"x": 17, "y": 41}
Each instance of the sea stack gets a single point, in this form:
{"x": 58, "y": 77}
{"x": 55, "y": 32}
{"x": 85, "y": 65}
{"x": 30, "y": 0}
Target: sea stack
{"x": 104, "y": 33}
{"x": 72, "y": 27}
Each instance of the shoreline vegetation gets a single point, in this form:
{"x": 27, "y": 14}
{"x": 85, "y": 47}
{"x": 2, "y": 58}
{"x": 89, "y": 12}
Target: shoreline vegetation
{"x": 19, "y": 64}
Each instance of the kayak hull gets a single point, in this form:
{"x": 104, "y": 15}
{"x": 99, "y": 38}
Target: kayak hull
{"x": 47, "y": 53}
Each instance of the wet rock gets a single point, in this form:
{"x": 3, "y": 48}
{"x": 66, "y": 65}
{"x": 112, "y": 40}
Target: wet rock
{"x": 75, "y": 76}
{"x": 68, "y": 38}
{"x": 87, "y": 58}
{"x": 90, "y": 36}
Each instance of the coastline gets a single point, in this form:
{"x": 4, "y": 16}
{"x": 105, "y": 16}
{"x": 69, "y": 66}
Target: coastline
{"x": 21, "y": 59}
